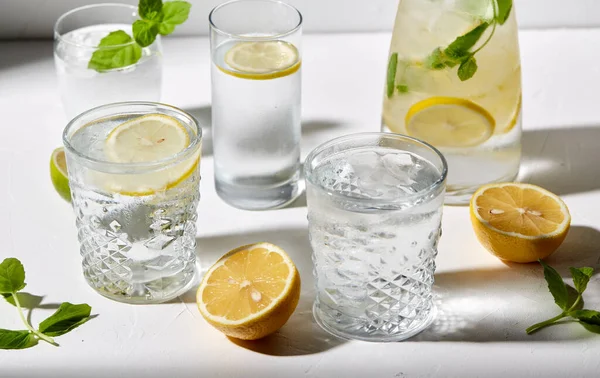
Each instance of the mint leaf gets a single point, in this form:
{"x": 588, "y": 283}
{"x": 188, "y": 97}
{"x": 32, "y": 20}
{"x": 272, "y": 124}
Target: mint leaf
{"x": 174, "y": 13}
{"x": 587, "y": 316}
{"x": 436, "y": 60}
{"x": 504, "y": 7}
{"x": 581, "y": 277}
{"x": 459, "y": 49}
{"x": 402, "y": 88}
{"x": 391, "y": 74}
{"x": 145, "y": 32}
{"x": 150, "y": 9}
{"x": 116, "y": 50}
{"x": 467, "y": 69}
{"x": 67, "y": 317}
{"x": 556, "y": 285}
{"x": 16, "y": 339}
{"x": 12, "y": 276}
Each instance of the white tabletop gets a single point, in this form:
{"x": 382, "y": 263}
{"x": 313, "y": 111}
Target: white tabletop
{"x": 484, "y": 304}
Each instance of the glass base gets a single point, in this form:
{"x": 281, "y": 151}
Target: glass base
{"x": 321, "y": 317}
{"x": 257, "y": 198}
{"x": 145, "y": 296}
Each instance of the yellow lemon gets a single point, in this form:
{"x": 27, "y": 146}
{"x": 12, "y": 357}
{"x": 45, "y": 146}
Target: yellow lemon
{"x": 262, "y": 60}
{"x": 250, "y": 292}
{"x": 58, "y": 173}
{"x": 519, "y": 222}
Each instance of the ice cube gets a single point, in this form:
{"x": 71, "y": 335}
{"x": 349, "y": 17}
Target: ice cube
{"x": 159, "y": 242}
{"x": 365, "y": 164}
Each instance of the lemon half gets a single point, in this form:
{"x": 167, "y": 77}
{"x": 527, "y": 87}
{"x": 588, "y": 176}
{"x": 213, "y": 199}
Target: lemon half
{"x": 449, "y": 122}
{"x": 519, "y": 222}
{"x": 250, "y": 292}
{"x": 262, "y": 60}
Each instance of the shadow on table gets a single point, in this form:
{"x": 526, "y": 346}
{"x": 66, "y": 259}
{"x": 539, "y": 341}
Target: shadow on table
{"x": 32, "y": 302}
{"x": 495, "y": 305}
{"x": 300, "y": 335}
{"x": 564, "y": 161}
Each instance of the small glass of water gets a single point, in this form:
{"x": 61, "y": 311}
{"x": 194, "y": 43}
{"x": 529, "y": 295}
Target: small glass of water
{"x": 374, "y": 211}
{"x": 77, "y": 34}
{"x": 134, "y": 176}
{"x": 256, "y": 56}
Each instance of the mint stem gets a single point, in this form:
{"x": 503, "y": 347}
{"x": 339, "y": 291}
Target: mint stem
{"x": 545, "y": 323}
{"x": 47, "y": 339}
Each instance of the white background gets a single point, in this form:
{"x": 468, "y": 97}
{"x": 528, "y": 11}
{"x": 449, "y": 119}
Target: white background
{"x": 35, "y": 18}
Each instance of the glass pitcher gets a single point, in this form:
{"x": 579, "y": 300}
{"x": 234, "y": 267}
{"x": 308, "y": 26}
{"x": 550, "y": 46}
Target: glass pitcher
{"x": 454, "y": 81}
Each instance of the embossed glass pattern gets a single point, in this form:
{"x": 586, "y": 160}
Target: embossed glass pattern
{"x": 135, "y": 247}
{"x": 374, "y": 210}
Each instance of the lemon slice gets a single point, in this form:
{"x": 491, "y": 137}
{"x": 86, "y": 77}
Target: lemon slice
{"x": 519, "y": 222}
{"x": 250, "y": 292}
{"x": 262, "y": 60}
{"x": 58, "y": 173}
{"x": 149, "y": 138}
{"x": 449, "y": 122}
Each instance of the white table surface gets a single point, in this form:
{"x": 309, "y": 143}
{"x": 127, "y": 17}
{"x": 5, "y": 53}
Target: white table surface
{"x": 485, "y": 305}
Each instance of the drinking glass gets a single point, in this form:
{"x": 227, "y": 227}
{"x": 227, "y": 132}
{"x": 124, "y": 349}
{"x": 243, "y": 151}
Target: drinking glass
{"x": 136, "y": 221}
{"x": 77, "y": 34}
{"x": 454, "y": 81}
{"x": 256, "y": 64}
{"x": 374, "y": 214}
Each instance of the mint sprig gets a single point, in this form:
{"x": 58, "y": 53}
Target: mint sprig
{"x": 65, "y": 319}
{"x": 116, "y": 50}
{"x": 589, "y": 319}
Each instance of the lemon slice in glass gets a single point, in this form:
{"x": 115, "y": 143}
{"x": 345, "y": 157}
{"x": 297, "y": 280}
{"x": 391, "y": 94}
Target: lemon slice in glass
{"x": 449, "y": 122}
{"x": 261, "y": 60}
{"x": 146, "y": 139}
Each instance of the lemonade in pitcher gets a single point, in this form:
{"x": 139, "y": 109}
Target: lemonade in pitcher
{"x": 454, "y": 81}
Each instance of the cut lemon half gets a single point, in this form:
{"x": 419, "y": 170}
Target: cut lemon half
{"x": 58, "y": 173}
{"x": 449, "y": 122}
{"x": 262, "y": 60}
{"x": 250, "y": 292}
{"x": 519, "y": 222}
{"x": 146, "y": 139}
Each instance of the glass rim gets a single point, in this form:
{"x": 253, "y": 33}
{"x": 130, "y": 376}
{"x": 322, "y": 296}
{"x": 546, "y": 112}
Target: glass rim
{"x": 191, "y": 148}
{"x": 58, "y": 36}
{"x": 308, "y": 170}
{"x": 214, "y": 27}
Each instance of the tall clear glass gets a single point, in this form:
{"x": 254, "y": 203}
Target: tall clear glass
{"x": 374, "y": 212}
{"x": 454, "y": 81}
{"x": 136, "y": 221}
{"x": 256, "y": 65}
{"x": 77, "y": 34}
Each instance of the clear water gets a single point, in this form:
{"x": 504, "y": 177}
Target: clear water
{"x": 374, "y": 248}
{"x": 137, "y": 249}
{"x": 256, "y": 137}
{"x": 82, "y": 88}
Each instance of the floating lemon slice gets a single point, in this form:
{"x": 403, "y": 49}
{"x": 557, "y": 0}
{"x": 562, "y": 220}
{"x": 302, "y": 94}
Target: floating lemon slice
{"x": 250, "y": 292}
{"x": 519, "y": 222}
{"x": 58, "y": 173}
{"x": 149, "y": 138}
{"x": 449, "y": 122}
{"x": 262, "y": 60}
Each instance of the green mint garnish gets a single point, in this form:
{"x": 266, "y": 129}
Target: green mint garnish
{"x": 589, "y": 319}
{"x": 391, "y": 73}
{"x": 156, "y": 18}
{"x": 459, "y": 51}
{"x": 402, "y": 88}
{"x": 66, "y": 318}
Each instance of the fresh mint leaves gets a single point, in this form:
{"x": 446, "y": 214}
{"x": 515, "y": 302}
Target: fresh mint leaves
{"x": 66, "y": 318}
{"x": 391, "y": 73}
{"x": 119, "y": 49}
{"x": 589, "y": 319}
{"x": 459, "y": 51}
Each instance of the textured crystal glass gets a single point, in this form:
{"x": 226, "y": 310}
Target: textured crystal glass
{"x": 374, "y": 211}
{"x": 77, "y": 34}
{"x": 136, "y": 222}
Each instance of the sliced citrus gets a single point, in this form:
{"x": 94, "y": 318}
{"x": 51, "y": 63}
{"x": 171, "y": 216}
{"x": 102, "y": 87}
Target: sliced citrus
{"x": 250, "y": 292}
{"x": 58, "y": 173}
{"x": 146, "y": 139}
{"x": 449, "y": 122}
{"x": 519, "y": 222}
{"x": 262, "y": 60}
